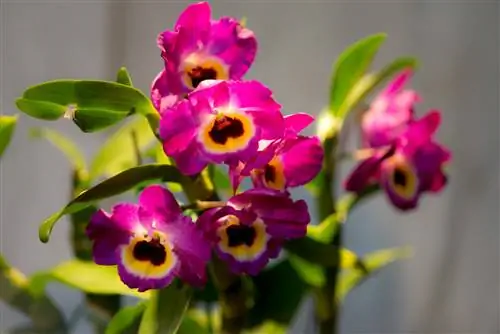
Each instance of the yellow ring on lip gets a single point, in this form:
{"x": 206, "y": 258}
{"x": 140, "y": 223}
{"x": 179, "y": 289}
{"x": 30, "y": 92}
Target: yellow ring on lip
{"x": 243, "y": 252}
{"x": 403, "y": 179}
{"x": 196, "y": 66}
{"x": 223, "y": 120}
{"x": 272, "y": 175}
{"x": 144, "y": 268}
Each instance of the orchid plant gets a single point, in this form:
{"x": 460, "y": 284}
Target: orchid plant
{"x": 202, "y": 249}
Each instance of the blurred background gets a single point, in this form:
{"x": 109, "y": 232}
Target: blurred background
{"x": 451, "y": 285}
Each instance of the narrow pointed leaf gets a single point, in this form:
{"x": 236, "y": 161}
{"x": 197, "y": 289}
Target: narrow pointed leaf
{"x": 371, "y": 264}
{"x": 350, "y": 68}
{"x": 64, "y": 144}
{"x": 7, "y": 126}
{"x": 126, "y": 319}
{"x": 165, "y": 309}
{"x": 123, "y": 77}
{"x": 85, "y": 276}
{"x": 117, "y": 153}
{"x": 371, "y": 81}
{"x": 113, "y": 186}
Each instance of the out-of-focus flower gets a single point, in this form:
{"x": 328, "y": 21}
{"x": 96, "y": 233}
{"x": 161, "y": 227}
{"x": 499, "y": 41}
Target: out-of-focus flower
{"x": 390, "y": 113}
{"x": 151, "y": 242}
{"x": 252, "y": 227}
{"x": 291, "y": 161}
{"x": 198, "y": 49}
{"x": 220, "y": 122}
{"x": 411, "y": 166}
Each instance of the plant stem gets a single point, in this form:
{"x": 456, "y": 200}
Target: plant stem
{"x": 232, "y": 290}
{"x": 326, "y": 309}
{"x": 105, "y": 305}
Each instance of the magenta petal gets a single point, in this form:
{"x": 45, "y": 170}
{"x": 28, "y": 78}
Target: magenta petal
{"x": 420, "y": 131}
{"x": 429, "y": 160}
{"x": 144, "y": 283}
{"x": 191, "y": 247}
{"x": 191, "y": 161}
{"x": 177, "y": 128}
{"x": 363, "y": 175}
{"x": 209, "y": 94}
{"x": 256, "y": 99}
{"x": 108, "y": 232}
{"x": 283, "y": 217}
{"x": 298, "y": 122}
{"x": 234, "y": 44}
{"x": 398, "y": 83}
{"x": 302, "y": 160}
{"x": 160, "y": 202}
{"x": 196, "y": 16}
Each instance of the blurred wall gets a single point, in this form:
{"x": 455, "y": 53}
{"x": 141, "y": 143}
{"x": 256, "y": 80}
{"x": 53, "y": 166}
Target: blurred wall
{"x": 451, "y": 285}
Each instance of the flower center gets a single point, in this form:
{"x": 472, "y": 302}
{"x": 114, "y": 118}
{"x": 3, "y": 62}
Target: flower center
{"x": 399, "y": 177}
{"x": 402, "y": 178}
{"x": 152, "y": 251}
{"x": 269, "y": 173}
{"x": 239, "y": 235}
{"x": 199, "y": 74}
{"x": 244, "y": 242}
{"x": 225, "y": 127}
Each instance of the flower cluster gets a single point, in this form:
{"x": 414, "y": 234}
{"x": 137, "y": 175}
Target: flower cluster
{"x": 211, "y": 115}
{"x": 406, "y": 160}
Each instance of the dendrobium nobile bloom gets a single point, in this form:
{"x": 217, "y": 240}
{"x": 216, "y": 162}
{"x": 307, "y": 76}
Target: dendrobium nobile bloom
{"x": 198, "y": 49}
{"x": 412, "y": 165}
{"x": 389, "y": 113}
{"x": 151, "y": 242}
{"x": 220, "y": 122}
{"x": 291, "y": 161}
{"x": 253, "y": 226}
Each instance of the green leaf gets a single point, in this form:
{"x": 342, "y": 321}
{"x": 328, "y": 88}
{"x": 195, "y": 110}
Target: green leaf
{"x": 310, "y": 273}
{"x": 7, "y": 126}
{"x": 85, "y": 276}
{"x": 64, "y": 144}
{"x": 371, "y": 264}
{"x": 113, "y": 186}
{"x": 123, "y": 77}
{"x": 220, "y": 179}
{"x": 165, "y": 309}
{"x": 279, "y": 291}
{"x": 93, "y": 105}
{"x": 324, "y": 231}
{"x": 350, "y": 67}
{"x": 44, "y": 110}
{"x": 117, "y": 153}
{"x": 313, "y": 251}
{"x": 371, "y": 81}
{"x": 125, "y": 320}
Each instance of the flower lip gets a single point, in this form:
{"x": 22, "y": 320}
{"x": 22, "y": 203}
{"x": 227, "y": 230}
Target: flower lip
{"x": 227, "y": 132}
{"x": 402, "y": 179}
{"x": 152, "y": 251}
{"x": 225, "y": 127}
{"x": 239, "y": 235}
{"x": 148, "y": 257}
{"x": 244, "y": 242}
